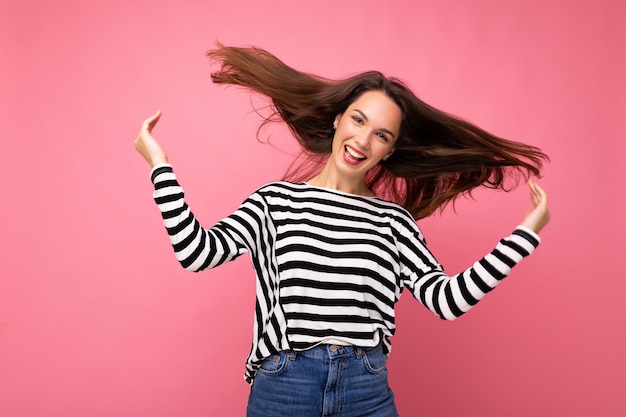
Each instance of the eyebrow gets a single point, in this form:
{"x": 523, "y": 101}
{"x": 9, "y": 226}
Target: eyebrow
{"x": 381, "y": 129}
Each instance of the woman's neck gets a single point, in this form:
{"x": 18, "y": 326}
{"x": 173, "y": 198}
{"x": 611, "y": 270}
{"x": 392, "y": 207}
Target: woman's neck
{"x": 329, "y": 178}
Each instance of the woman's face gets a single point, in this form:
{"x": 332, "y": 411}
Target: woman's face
{"x": 365, "y": 133}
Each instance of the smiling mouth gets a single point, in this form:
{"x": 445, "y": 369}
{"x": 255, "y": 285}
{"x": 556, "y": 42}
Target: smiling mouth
{"x": 354, "y": 154}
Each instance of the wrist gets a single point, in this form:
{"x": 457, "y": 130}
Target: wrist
{"x": 159, "y": 161}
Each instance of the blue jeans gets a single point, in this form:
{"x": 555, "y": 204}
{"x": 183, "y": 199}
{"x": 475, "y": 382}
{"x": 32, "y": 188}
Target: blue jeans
{"x": 325, "y": 381}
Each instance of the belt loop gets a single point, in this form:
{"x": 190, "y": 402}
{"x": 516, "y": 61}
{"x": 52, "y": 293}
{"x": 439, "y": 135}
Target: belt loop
{"x": 360, "y": 352}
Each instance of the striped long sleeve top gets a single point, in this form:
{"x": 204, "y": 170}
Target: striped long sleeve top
{"x": 329, "y": 266}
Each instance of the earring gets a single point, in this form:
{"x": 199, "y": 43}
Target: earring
{"x": 385, "y": 157}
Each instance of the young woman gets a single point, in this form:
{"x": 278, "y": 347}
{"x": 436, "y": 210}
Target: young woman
{"x": 334, "y": 247}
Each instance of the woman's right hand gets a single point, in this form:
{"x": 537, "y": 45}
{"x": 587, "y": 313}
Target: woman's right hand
{"x": 146, "y": 145}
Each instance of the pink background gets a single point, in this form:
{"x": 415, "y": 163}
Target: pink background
{"x": 97, "y": 318}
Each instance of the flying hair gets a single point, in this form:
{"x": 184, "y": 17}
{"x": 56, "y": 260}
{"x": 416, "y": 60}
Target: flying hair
{"x": 438, "y": 157}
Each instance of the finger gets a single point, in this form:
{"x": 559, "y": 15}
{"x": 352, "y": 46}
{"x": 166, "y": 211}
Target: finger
{"x": 541, "y": 194}
{"x": 538, "y": 195}
{"x": 151, "y": 121}
{"x": 535, "y": 197}
{"x": 537, "y": 187}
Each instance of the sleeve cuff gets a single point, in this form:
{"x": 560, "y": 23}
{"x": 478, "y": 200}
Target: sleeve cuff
{"x": 529, "y": 234}
{"x": 158, "y": 168}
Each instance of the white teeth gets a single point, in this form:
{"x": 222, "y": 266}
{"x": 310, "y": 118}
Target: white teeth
{"x": 354, "y": 154}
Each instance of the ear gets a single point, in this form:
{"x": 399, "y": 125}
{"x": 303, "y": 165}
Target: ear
{"x": 336, "y": 121}
{"x": 388, "y": 155}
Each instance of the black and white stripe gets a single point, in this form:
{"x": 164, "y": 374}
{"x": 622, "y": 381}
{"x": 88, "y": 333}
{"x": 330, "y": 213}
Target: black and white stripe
{"x": 330, "y": 266}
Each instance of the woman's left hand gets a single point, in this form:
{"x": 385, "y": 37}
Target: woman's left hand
{"x": 537, "y": 217}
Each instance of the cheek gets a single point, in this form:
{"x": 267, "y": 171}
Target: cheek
{"x": 337, "y": 143}
{"x": 346, "y": 129}
{"x": 382, "y": 149}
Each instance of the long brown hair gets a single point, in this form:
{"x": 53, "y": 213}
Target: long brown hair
{"x": 438, "y": 157}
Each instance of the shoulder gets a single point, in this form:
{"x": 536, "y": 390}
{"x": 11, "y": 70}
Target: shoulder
{"x": 279, "y": 190}
{"x": 400, "y": 220}
{"x": 278, "y": 187}
{"x": 274, "y": 194}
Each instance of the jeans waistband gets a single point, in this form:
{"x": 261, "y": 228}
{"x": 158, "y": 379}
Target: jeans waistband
{"x": 334, "y": 351}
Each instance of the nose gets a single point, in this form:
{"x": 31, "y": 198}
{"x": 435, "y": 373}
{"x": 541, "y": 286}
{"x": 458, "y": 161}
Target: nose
{"x": 363, "y": 139}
